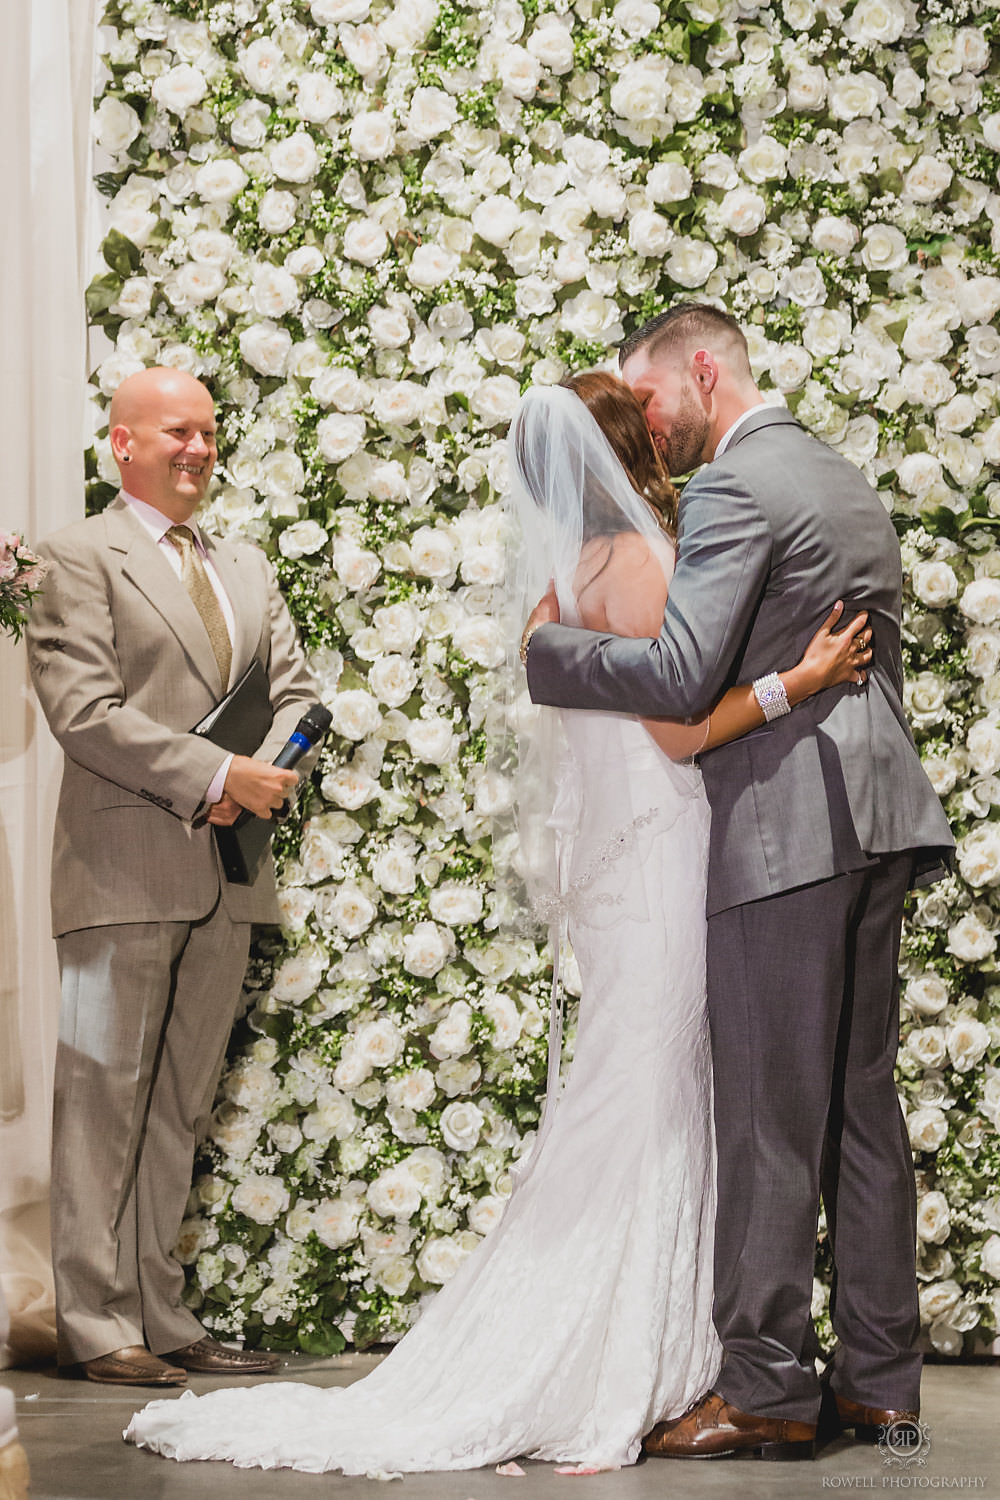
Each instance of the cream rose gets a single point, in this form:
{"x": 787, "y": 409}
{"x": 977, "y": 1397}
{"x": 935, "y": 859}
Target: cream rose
{"x": 260, "y": 1197}
{"x": 372, "y": 136}
{"x": 335, "y": 1221}
{"x": 968, "y": 1040}
{"x": 969, "y": 940}
{"x": 439, "y": 1259}
{"x": 180, "y": 88}
{"x": 452, "y": 1037}
{"x": 883, "y": 248}
{"x": 933, "y": 1218}
{"x": 927, "y": 994}
{"x": 395, "y": 1194}
{"x": 266, "y": 346}
{"x": 927, "y": 1128}
{"x": 980, "y": 600}
{"x": 461, "y": 1124}
{"x": 455, "y": 904}
{"x": 426, "y": 950}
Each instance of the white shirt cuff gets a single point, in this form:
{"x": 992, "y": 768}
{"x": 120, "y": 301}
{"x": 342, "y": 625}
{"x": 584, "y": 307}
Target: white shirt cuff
{"x": 218, "y": 782}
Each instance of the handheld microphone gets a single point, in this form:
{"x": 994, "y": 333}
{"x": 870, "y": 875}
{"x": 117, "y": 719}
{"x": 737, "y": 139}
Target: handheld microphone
{"x": 308, "y": 732}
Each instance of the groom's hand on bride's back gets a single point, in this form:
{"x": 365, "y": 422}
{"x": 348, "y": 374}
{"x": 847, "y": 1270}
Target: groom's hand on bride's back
{"x": 545, "y": 612}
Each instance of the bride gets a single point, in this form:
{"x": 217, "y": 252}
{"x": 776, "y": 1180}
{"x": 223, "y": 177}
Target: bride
{"x": 586, "y": 1316}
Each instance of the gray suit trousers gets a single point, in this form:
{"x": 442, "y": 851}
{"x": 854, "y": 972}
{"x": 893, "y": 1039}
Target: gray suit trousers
{"x": 804, "y": 1015}
{"x": 131, "y": 1094}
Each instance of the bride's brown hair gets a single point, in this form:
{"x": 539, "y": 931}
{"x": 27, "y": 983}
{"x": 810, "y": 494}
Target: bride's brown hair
{"x": 620, "y": 417}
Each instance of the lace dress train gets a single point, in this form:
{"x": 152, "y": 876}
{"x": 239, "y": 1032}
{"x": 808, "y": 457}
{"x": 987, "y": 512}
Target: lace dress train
{"x": 585, "y": 1316}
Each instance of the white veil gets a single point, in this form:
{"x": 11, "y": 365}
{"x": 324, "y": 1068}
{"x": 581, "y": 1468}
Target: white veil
{"x": 568, "y": 492}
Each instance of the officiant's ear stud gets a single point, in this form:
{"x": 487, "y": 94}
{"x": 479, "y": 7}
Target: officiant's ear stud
{"x": 126, "y": 458}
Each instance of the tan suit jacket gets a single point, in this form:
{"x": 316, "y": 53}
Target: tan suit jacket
{"x": 123, "y": 667}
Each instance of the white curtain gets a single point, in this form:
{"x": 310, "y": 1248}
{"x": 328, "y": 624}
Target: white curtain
{"x": 46, "y": 70}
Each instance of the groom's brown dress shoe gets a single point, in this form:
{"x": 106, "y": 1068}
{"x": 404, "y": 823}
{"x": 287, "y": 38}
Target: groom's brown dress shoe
{"x": 209, "y": 1357}
{"x": 133, "y": 1365}
{"x": 714, "y": 1429}
{"x": 869, "y": 1422}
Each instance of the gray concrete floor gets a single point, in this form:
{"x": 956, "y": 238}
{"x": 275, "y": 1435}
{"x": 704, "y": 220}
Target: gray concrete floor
{"x": 72, "y": 1433}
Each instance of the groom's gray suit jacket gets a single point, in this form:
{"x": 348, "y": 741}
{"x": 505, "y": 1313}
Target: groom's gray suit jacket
{"x": 771, "y": 535}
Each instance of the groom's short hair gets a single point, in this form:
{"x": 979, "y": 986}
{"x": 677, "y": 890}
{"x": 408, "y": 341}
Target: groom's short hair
{"x": 681, "y": 327}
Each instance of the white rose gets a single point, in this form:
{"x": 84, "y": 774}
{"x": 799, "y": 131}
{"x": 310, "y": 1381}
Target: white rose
{"x": 180, "y": 88}
{"x": 551, "y": 42}
{"x": 307, "y": 260}
{"x": 392, "y": 679}
{"x": 496, "y": 219}
{"x": 506, "y": 1019}
{"x": 937, "y": 1300}
{"x": 883, "y": 248}
{"x": 276, "y": 210}
{"x": 933, "y": 1218}
{"x": 969, "y": 940}
{"x": 379, "y": 1042}
{"x": 790, "y": 367}
{"x": 364, "y": 49}
{"x": 919, "y": 473}
{"x": 452, "y": 1037}
{"x": 958, "y": 414}
{"x": 352, "y": 912}
{"x": 486, "y": 1212}
{"x": 432, "y": 552}
{"x": 456, "y": 905}
{"x": 968, "y": 1040}
{"x": 980, "y": 600}
{"x": 461, "y": 1124}
{"x": 414, "y": 1090}
{"x": 439, "y": 1259}
{"x": 806, "y": 87}
{"x": 519, "y": 71}
{"x": 263, "y": 65}
{"x": 399, "y": 625}
{"x": 854, "y": 96}
{"x": 219, "y": 181}
{"x": 365, "y": 241}
{"x": 335, "y": 1221}
{"x": 430, "y": 266}
{"x": 764, "y": 160}
{"x": 338, "y": 386}
{"x": 928, "y": 1046}
{"x": 927, "y": 1128}
{"x": 259, "y": 1197}
{"x": 983, "y": 346}
{"x": 640, "y": 90}
{"x": 805, "y": 285}
{"x": 339, "y": 435}
{"x": 274, "y": 291}
{"x": 742, "y": 211}
{"x": 372, "y": 136}
{"x": 927, "y": 383}
{"x": 925, "y": 338}
{"x": 349, "y": 786}
{"x": 295, "y": 159}
{"x": 193, "y": 284}
{"x": 834, "y": 235}
{"x": 983, "y": 744}
{"x": 927, "y": 994}
{"x": 399, "y": 403}
{"x": 395, "y": 1194}
{"x": 425, "y": 950}
{"x": 989, "y": 1256}
{"x": 669, "y": 182}
{"x": 248, "y": 126}
{"x": 265, "y": 346}
{"x": 318, "y": 98}
{"x": 983, "y": 646}
{"x": 431, "y": 740}
{"x": 301, "y": 538}
{"x": 356, "y": 714}
{"x": 458, "y": 1076}
{"x": 431, "y": 113}
{"x": 116, "y": 125}
{"x": 691, "y": 262}
{"x": 876, "y": 21}
{"x": 935, "y": 584}
{"x": 927, "y": 179}
{"x": 826, "y": 330}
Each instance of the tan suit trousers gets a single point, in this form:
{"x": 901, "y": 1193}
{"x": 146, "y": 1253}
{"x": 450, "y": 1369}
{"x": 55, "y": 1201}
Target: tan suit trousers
{"x": 147, "y": 1010}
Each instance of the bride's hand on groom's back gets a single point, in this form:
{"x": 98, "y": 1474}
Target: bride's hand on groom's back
{"x": 833, "y": 656}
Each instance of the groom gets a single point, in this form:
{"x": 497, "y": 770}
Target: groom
{"x": 821, "y": 821}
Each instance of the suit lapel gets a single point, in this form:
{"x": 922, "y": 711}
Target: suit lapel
{"x": 153, "y": 576}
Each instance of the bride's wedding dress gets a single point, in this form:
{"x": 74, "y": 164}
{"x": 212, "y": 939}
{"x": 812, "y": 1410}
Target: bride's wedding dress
{"x": 585, "y": 1316}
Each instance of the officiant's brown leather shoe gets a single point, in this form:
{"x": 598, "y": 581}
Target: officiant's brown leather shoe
{"x": 868, "y": 1420}
{"x": 714, "y": 1429}
{"x": 133, "y": 1365}
{"x": 209, "y": 1357}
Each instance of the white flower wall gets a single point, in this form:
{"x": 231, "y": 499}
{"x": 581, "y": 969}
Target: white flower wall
{"x": 370, "y": 227}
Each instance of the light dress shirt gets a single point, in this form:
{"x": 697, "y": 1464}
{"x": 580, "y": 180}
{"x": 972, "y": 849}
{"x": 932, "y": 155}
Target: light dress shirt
{"x": 731, "y": 432}
{"x": 157, "y": 524}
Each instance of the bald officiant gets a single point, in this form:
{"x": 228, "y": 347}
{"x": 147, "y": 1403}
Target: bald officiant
{"x": 144, "y": 624}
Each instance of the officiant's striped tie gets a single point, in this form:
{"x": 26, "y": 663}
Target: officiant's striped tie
{"x": 199, "y": 586}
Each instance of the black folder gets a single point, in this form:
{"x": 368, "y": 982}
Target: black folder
{"x": 239, "y": 723}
